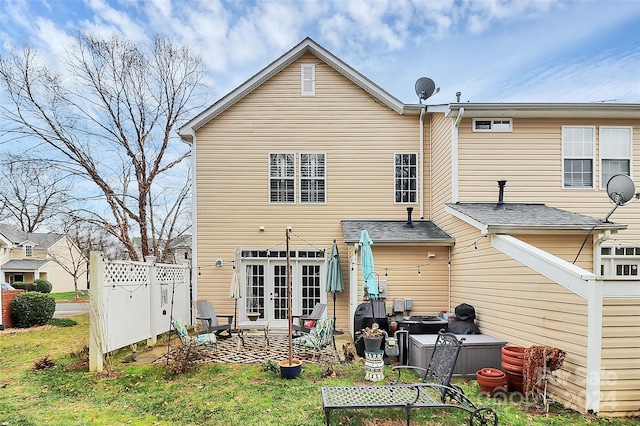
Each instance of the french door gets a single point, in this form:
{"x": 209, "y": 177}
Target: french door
{"x": 265, "y": 287}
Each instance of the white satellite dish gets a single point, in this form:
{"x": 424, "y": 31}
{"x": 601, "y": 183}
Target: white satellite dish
{"x": 621, "y": 189}
{"x": 425, "y": 88}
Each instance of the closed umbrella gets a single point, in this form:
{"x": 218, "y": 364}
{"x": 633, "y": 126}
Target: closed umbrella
{"x": 368, "y": 271}
{"x": 335, "y": 283}
{"x": 235, "y": 293}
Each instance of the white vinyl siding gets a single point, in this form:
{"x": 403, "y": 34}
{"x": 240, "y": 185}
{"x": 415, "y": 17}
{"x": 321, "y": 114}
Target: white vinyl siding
{"x": 615, "y": 153}
{"x": 406, "y": 178}
{"x": 312, "y": 178}
{"x": 307, "y": 80}
{"x": 578, "y": 148}
{"x": 282, "y": 178}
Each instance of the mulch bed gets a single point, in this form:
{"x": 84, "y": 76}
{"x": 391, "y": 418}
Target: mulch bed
{"x": 254, "y": 351}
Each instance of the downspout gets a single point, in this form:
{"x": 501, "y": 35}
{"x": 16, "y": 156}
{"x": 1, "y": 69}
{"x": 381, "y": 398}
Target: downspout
{"x": 421, "y": 162}
{"x": 454, "y": 157}
{"x": 194, "y": 220}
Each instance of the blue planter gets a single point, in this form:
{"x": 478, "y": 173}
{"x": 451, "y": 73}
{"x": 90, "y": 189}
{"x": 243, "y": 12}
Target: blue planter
{"x": 288, "y": 371}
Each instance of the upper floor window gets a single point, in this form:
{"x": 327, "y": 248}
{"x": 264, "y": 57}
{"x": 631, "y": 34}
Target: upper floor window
{"x": 406, "y": 178}
{"x": 615, "y": 153}
{"x": 578, "y": 151}
{"x": 28, "y": 251}
{"x": 492, "y": 125}
{"x": 312, "y": 178}
{"x": 620, "y": 261}
{"x": 308, "y": 80}
{"x": 282, "y": 178}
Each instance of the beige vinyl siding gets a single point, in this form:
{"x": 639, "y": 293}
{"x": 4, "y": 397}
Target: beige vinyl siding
{"x": 516, "y": 304}
{"x": 440, "y": 168}
{"x": 620, "y": 386}
{"x": 359, "y": 137}
{"x": 530, "y": 159}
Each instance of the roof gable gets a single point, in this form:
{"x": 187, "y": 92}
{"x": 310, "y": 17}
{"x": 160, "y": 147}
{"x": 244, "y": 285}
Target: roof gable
{"x": 187, "y": 131}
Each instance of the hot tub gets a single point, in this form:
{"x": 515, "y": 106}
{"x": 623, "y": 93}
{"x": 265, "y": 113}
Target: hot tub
{"x": 423, "y": 324}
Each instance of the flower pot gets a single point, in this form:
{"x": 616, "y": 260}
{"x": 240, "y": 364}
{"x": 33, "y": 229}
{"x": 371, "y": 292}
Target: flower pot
{"x": 253, "y": 316}
{"x": 514, "y": 382}
{"x": 290, "y": 371}
{"x": 489, "y": 379}
{"x": 372, "y": 344}
{"x": 513, "y": 351}
{"x": 516, "y": 369}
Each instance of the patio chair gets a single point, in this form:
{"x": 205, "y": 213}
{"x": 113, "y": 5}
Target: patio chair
{"x": 434, "y": 391}
{"x": 208, "y": 340}
{"x": 209, "y": 320}
{"x": 307, "y": 322}
{"x": 320, "y": 336}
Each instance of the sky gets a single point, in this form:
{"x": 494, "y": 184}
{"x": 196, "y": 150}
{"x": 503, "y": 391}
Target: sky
{"x": 489, "y": 50}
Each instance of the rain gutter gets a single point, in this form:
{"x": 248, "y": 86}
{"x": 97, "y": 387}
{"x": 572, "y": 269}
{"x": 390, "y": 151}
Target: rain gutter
{"x": 421, "y": 162}
{"x": 454, "y": 157}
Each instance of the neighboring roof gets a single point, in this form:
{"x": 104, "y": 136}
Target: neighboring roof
{"x": 187, "y": 131}
{"x": 396, "y": 231}
{"x": 526, "y": 218}
{"x": 24, "y": 264}
{"x": 18, "y": 236}
{"x": 545, "y": 110}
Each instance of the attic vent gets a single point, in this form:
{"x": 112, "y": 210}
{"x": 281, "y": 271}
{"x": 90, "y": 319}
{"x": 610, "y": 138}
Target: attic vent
{"x": 308, "y": 80}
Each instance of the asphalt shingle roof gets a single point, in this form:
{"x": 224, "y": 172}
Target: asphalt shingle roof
{"x": 511, "y": 216}
{"x": 396, "y": 231}
{"x": 24, "y": 264}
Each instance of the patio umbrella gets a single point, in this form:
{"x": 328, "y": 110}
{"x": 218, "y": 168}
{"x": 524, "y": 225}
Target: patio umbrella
{"x": 235, "y": 293}
{"x": 366, "y": 260}
{"x": 335, "y": 283}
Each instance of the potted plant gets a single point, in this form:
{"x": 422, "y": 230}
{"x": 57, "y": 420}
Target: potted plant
{"x": 373, "y": 338}
{"x": 254, "y": 313}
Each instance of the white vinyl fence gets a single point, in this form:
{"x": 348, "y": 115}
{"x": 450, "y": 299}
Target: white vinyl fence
{"x": 132, "y": 302}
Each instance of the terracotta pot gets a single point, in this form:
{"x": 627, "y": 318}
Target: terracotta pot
{"x": 489, "y": 379}
{"x": 513, "y": 352}
{"x": 516, "y": 369}
{"x": 513, "y": 361}
{"x": 514, "y": 382}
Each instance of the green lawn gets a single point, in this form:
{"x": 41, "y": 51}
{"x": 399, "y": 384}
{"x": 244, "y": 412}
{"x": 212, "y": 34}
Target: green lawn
{"x": 213, "y": 394}
{"x": 70, "y": 296}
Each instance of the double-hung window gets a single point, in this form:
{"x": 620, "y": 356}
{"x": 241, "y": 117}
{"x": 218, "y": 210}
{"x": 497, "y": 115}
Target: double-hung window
{"x": 406, "y": 178}
{"x": 578, "y": 151}
{"x": 282, "y": 178}
{"x": 615, "y": 153}
{"x": 312, "y": 178}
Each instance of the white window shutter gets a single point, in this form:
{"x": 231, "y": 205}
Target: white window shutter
{"x": 308, "y": 80}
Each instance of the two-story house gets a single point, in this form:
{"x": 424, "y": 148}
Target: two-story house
{"x": 27, "y": 256}
{"x": 310, "y": 144}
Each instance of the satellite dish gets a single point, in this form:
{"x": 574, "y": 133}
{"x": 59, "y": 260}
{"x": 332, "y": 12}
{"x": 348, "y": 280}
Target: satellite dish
{"x": 425, "y": 87}
{"x": 621, "y": 189}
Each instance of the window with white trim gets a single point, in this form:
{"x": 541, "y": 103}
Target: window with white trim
{"x": 578, "y": 152}
{"x": 492, "y": 125}
{"x": 615, "y": 153}
{"x": 406, "y": 178}
{"x": 307, "y": 79}
{"x": 312, "y": 178}
{"x": 282, "y": 178}
{"x": 28, "y": 251}
{"x": 620, "y": 261}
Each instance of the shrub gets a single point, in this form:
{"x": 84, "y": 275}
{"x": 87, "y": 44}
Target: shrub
{"x": 19, "y": 285}
{"x": 43, "y": 286}
{"x": 32, "y": 308}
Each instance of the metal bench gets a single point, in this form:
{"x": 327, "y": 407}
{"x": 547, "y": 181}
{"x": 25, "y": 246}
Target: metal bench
{"x": 434, "y": 392}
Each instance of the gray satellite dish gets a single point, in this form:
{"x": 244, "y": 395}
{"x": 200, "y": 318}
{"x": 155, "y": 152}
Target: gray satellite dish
{"x": 425, "y": 87}
{"x": 621, "y": 189}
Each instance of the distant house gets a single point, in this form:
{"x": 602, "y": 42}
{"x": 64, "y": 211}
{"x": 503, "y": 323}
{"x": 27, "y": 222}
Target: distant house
{"x": 179, "y": 250}
{"x": 29, "y": 256}
{"x": 310, "y": 144}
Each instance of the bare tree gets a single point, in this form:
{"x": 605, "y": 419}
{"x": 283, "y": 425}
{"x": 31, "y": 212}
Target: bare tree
{"x": 109, "y": 117}
{"x": 31, "y": 193}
